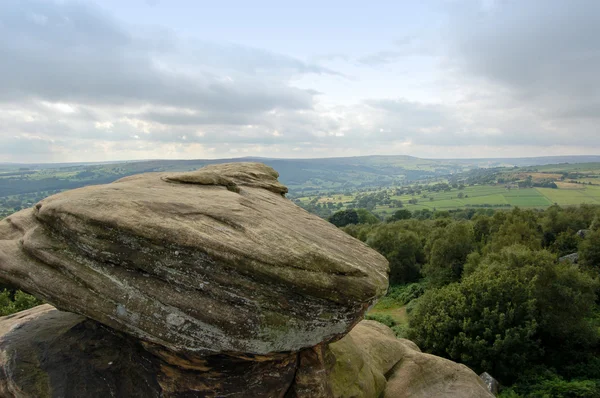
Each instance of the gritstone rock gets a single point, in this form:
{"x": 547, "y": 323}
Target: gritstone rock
{"x": 49, "y": 353}
{"x": 205, "y": 262}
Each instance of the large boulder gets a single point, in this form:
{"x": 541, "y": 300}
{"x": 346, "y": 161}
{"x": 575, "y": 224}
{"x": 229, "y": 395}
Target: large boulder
{"x": 371, "y": 362}
{"x": 205, "y": 262}
{"x": 49, "y": 353}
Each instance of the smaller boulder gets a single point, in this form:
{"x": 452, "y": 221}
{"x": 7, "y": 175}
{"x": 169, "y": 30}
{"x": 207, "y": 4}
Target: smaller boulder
{"x": 573, "y": 258}
{"x": 491, "y": 383}
{"x": 371, "y": 362}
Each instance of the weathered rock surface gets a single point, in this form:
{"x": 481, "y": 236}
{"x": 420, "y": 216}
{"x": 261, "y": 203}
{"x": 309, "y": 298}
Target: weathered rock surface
{"x": 205, "y": 262}
{"x": 573, "y": 258}
{"x": 371, "y": 362}
{"x": 492, "y": 384}
{"x": 49, "y": 353}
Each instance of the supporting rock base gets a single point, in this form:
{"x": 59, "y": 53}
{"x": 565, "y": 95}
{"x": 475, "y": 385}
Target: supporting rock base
{"x": 49, "y": 353}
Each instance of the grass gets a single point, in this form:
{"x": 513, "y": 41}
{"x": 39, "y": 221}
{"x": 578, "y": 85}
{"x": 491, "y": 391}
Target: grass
{"x": 489, "y": 196}
{"x": 398, "y": 314}
{"x": 566, "y": 197}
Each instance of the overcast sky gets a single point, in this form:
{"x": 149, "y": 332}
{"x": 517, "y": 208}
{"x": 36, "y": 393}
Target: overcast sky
{"x": 141, "y": 79}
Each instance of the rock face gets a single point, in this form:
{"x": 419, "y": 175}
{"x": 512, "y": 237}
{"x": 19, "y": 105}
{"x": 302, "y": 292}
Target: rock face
{"x": 206, "y": 262}
{"x": 371, "y": 362}
{"x": 573, "y": 258}
{"x": 49, "y": 353}
{"x": 492, "y": 384}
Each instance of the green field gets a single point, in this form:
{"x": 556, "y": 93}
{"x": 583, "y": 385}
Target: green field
{"x": 484, "y": 196}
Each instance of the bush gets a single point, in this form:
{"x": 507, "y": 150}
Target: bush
{"x": 404, "y": 294}
{"x": 15, "y": 301}
{"x": 544, "y": 383}
{"x": 401, "y": 331}
{"x": 366, "y": 217}
{"x": 448, "y": 253}
{"x": 589, "y": 250}
{"x": 385, "y": 319}
{"x": 516, "y": 309}
{"x": 403, "y": 249}
{"x": 344, "y": 217}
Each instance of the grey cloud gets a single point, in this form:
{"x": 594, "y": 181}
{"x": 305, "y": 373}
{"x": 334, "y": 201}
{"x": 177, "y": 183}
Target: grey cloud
{"x": 197, "y": 118}
{"x": 80, "y": 54}
{"x": 451, "y": 125}
{"x": 546, "y": 52}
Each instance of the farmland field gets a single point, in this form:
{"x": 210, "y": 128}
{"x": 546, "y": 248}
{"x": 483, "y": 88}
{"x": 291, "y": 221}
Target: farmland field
{"x": 324, "y": 186}
{"x": 497, "y": 197}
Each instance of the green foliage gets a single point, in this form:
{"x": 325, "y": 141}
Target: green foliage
{"x": 385, "y": 319}
{"x": 516, "y": 227}
{"x": 518, "y": 307}
{"x": 589, "y": 250}
{"x": 399, "y": 295}
{"x": 494, "y": 296}
{"x": 401, "y": 331}
{"x": 559, "y": 388}
{"x": 344, "y": 217}
{"x": 449, "y": 249}
{"x": 404, "y": 294}
{"x": 403, "y": 249}
{"x": 15, "y": 301}
{"x": 366, "y": 217}
{"x": 545, "y": 383}
{"x": 566, "y": 242}
{"x": 401, "y": 214}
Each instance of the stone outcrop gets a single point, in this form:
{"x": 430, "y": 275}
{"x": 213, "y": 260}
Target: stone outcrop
{"x": 49, "y": 353}
{"x": 492, "y": 384}
{"x": 205, "y": 262}
{"x": 371, "y": 362}
{"x": 572, "y": 258}
{"x": 201, "y": 284}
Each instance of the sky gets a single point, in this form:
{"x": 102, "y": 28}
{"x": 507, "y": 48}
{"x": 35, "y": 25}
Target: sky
{"x": 184, "y": 79}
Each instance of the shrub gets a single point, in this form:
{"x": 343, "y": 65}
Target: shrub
{"x": 403, "y": 249}
{"x": 517, "y": 308}
{"x": 15, "y": 301}
{"x": 387, "y": 320}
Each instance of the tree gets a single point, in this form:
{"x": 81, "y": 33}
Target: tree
{"x": 344, "y": 217}
{"x": 517, "y": 309}
{"x": 565, "y": 243}
{"x": 403, "y": 249}
{"x": 400, "y": 215}
{"x": 448, "y": 251}
{"x": 589, "y": 250}
{"x": 366, "y": 217}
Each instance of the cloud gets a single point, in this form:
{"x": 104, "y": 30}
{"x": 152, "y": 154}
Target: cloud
{"x": 81, "y": 54}
{"x": 547, "y": 53}
{"x": 79, "y": 84}
{"x": 407, "y": 46}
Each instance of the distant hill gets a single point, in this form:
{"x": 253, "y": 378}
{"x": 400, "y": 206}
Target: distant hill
{"x": 300, "y": 175}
